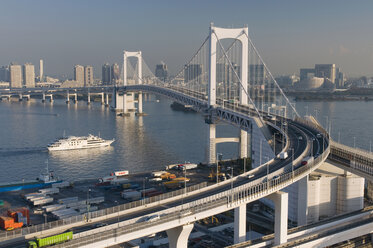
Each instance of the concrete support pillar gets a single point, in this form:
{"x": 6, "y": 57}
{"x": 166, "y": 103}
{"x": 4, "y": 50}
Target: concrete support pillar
{"x": 102, "y": 98}
{"x": 67, "y": 97}
{"x": 243, "y": 144}
{"x": 76, "y": 98}
{"x": 211, "y": 153}
{"x": 20, "y": 97}
{"x": 51, "y": 95}
{"x": 28, "y": 97}
{"x": 89, "y": 98}
{"x": 43, "y": 99}
{"x": 107, "y": 100}
{"x": 178, "y": 236}
{"x": 240, "y": 224}
{"x": 280, "y": 199}
{"x": 302, "y": 202}
{"x": 140, "y": 103}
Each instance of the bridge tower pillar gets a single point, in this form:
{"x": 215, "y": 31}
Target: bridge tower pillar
{"x": 102, "y": 98}
{"x": 280, "y": 199}
{"x": 240, "y": 224}
{"x": 43, "y": 99}
{"x": 89, "y": 98}
{"x": 240, "y": 34}
{"x": 67, "y": 97}
{"x": 139, "y": 106}
{"x": 211, "y": 153}
{"x": 107, "y": 99}
{"x": 243, "y": 143}
{"x": 178, "y": 236}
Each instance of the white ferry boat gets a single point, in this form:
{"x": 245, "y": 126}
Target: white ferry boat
{"x": 73, "y": 143}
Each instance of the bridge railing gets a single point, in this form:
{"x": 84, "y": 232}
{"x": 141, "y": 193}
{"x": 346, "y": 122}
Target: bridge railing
{"x": 95, "y": 214}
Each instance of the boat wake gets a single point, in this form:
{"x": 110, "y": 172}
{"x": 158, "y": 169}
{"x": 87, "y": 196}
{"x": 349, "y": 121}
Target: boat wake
{"x": 21, "y": 151}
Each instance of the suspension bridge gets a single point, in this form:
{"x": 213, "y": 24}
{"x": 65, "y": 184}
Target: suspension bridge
{"x": 225, "y": 80}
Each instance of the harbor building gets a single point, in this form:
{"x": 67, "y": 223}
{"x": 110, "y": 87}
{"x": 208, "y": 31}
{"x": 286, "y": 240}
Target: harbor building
{"x": 15, "y": 72}
{"x": 88, "y": 75}
{"x": 29, "y": 75}
{"x": 161, "y": 71}
{"x": 79, "y": 74}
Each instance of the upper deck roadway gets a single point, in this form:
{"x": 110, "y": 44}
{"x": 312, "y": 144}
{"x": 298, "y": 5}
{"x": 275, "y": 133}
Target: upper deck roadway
{"x": 303, "y": 139}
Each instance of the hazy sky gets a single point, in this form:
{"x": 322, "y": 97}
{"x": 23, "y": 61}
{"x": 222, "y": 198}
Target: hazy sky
{"x": 289, "y": 34}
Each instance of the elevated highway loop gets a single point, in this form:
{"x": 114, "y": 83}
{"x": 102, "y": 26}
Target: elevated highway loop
{"x": 221, "y": 199}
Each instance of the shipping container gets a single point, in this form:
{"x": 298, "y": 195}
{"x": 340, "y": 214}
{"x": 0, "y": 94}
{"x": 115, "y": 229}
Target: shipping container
{"x": 6, "y": 222}
{"x": 56, "y": 239}
{"x": 43, "y": 201}
{"x": 33, "y": 195}
{"x": 49, "y": 191}
{"x": 54, "y": 207}
{"x": 132, "y": 195}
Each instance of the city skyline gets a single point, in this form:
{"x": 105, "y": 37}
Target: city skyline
{"x": 289, "y": 38}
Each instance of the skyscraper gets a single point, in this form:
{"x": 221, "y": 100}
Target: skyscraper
{"x": 29, "y": 75}
{"x": 15, "y": 72}
{"x": 192, "y": 71}
{"x": 325, "y": 71}
{"x": 41, "y": 70}
{"x": 115, "y": 73}
{"x": 79, "y": 74}
{"x": 161, "y": 71}
{"x": 88, "y": 75}
{"x": 257, "y": 74}
{"x": 106, "y": 74}
{"x": 4, "y": 73}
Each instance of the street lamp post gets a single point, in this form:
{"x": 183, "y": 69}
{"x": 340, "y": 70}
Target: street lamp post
{"x": 218, "y": 156}
{"x": 88, "y": 204}
{"x": 117, "y": 203}
{"x": 267, "y": 174}
{"x": 232, "y": 184}
{"x": 292, "y": 162}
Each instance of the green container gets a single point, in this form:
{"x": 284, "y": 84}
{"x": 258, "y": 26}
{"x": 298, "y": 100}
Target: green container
{"x": 60, "y": 238}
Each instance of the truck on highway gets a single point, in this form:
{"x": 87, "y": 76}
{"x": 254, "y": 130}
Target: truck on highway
{"x": 283, "y": 155}
{"x": 52, "y": 240}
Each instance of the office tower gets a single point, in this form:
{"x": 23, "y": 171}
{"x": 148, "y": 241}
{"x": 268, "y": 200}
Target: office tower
{"x": 257, "y": 74}
{"x": 115, "y": 73}
{"x": 79, "y": 74}
{"x": 161, "y": 72}
{"x": 41, "y": 70}
{"x": 15, "y": 72}
{"x": 192, "y": 72}
{"x": 106, "y": 74}
{"x": 4, "y": 74}
{"x": 29, "y": 75}
{"x": 305, "y": 73}
{"x": 88, "y": 75}
{"x": 325, "y": 71}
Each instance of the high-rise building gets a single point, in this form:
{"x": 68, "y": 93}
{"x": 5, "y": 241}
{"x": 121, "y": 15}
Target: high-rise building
{"x": 192, "y": 71}
{"x": 29, "y": 75}
{"x": 115, "y": 73}
{"x": 4, "y": 74}
{"x": 41, "y": 70}
{"x": 15, "y": 72}
{"x": 161, "y": 72}
{"x": 306, "y": 73}
{"x": 106, "y": 74}
{"x": 79, "y": 74}
{"x": 325, "y": 71}
{"x": 88, "y": 75}
{"x": 257, "y": 74}
{"x": 339, "y": 78}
